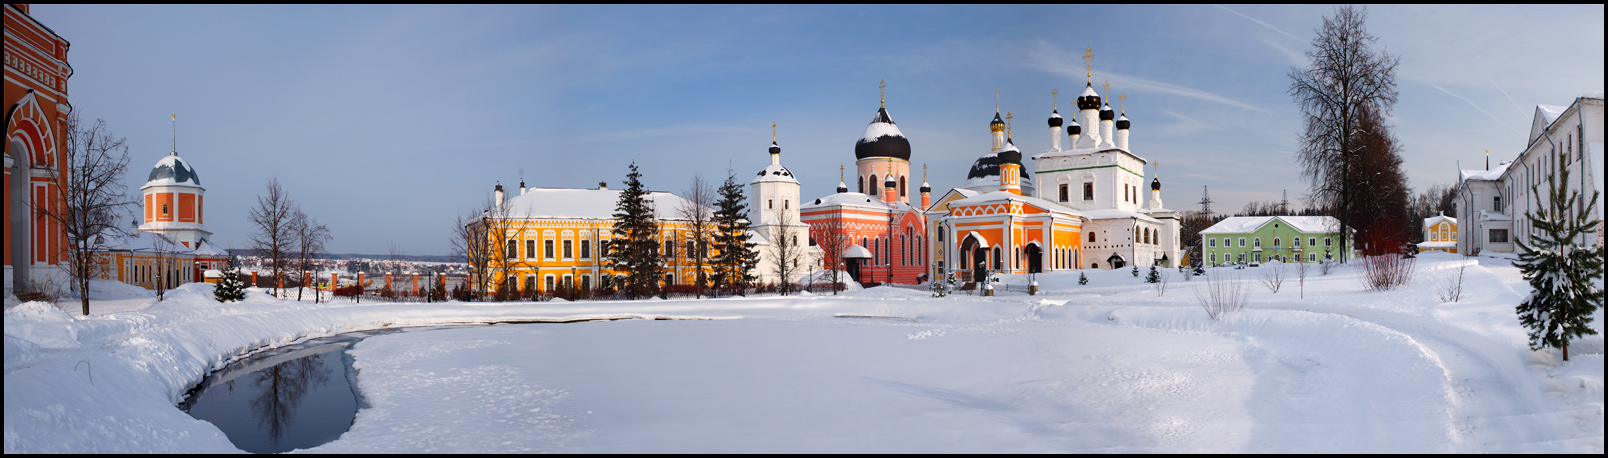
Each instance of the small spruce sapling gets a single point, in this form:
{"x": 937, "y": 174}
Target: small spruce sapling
{"x": 1135, "y": 271}
{"x": 1153, "y": 276}
{"x": 1082, "y": 279}
{"x": 229, "y": 288}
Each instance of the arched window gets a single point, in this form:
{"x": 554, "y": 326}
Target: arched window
{"x": 862, "y": 185}
{"x": 875, "y": 191}
{"x": 876, "y": 251}
{"x": 902, "y": 186}
{"x": 1276, "y": 243}
{"x": 999, "y": 263}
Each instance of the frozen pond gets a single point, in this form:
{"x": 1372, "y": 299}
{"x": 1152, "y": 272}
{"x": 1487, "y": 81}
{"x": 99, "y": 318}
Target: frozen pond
{"x": 297, "y": 396}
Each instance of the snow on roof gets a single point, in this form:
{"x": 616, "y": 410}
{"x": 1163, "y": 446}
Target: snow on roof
{"x": 846, "y": 198}
{"x": 1438, "y": 218}
{"x": 856, "y": 251}
{"x": 584, "y": 203}
{"x": 1550, "y": 112}
{"x": 140, "y": 241}
{"x": 1486, "y": 175}
{"x": 1449, "y": 244}
{"x": 775, "y": 172}
{"x": 1486, "y": 215}
{"x": 757, "y": 239}
{"x": 1112, "y": 213}
{"x": 205, "y": 248}
{"x": 172, "y": 170}
{"x": 880, "y": 129}
{"x": 1244, "y": 224}
{"x": 998, "y": 196}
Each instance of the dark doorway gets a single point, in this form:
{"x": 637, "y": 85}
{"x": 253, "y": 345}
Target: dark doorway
{"x": 1035, "y": 259}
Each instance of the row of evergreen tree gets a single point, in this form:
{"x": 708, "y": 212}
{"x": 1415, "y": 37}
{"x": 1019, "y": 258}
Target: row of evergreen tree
{"x": 636, "y": 240}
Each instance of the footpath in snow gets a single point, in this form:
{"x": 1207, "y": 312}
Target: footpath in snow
{"x": 1116, "y": 365}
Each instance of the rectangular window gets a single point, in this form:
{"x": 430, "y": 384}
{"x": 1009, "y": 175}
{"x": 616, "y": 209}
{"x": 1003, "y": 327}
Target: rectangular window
{"x": 586, "y": 249}
{"x": 1088, "y": 191}
{"x": 603, "y": 248}
{"x": 1242, "y": 242}
{"x": 1328, "y": 242}
{"x": 1241, "y": 257}
{"x": 1496, "y": 203}
{"x": 1312, "y": 241}
{"x": 1211, "y": 242}
{"x": 1214, "y": 258}
{"x": 547, "y": 249}
{"x": 1313, "y": 257}
{"x": 1499, "y": 236}
{"x": 530, "y": 249}
{"x": 569, "y": 250}
{"x": 1064, "y": 192}
{"x": 670, "y": 249}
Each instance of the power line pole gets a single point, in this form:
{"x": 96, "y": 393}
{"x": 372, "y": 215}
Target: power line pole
{"x": 1205, "y": 202}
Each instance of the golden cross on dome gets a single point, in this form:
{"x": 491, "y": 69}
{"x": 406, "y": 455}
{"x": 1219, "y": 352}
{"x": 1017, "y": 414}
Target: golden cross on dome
{"x": 1007, "y": 124}
{"x": 1124, "y": 98}
{"x": 175, "y": 134}
{"x": 1107, "y": 87}
{"x": 996, "y": 100}
{"x": 773, "y": 132}
{"x": 1088, "y": 65}
{"x": 1056, "y": 93}
{"x": 923, "y": 173}
{"x": 840, "y": 173}
{"x": 883, "y": 92}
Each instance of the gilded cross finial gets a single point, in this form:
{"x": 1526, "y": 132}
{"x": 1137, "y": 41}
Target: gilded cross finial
{"x": 996, "y": 100}
{"x": 882, "y": 86}
{"x": 1007, "y": 124}
{"x": 923, "y": 173}
{"x": 1088, "y": 63}
{"x": 1107, "y": 87}
{"x": 1124, "y": 98}
{"x": 1056, "y": 94}
{"x": 773, "y": 132}
{"x": 840, "y": 173}
{"x": 175, "y": 151}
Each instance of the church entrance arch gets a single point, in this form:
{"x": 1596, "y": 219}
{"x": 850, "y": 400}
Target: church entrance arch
{"x": 1035, "y": 258}
{"x": 975, "y": 249}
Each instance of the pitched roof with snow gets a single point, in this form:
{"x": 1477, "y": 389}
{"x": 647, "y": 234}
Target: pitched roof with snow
{"x": 846, "y": 198}
{"x": 1245, "y": 224}
{"x": 585, "y": 203}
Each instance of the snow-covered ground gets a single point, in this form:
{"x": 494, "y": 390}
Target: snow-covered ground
{"x": 1112, "y": 366}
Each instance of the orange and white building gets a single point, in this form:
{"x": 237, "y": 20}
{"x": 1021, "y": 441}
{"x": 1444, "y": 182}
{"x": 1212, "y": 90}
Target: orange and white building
{"x": 36, "y": 73}
{"x": 1440, "y": 234}
{"x": 169, "y": 247}
{"x": 885, "y": 232}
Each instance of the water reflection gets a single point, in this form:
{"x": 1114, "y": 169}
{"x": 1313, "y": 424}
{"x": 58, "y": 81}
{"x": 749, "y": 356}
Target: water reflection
{"x": 289, "y": 398}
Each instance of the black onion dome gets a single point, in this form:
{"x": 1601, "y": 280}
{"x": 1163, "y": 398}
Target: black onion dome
{"x": 997, "y": 125}
{"x": 1089, "y": 100}
{"x": 1010, "y": 154}
{"x": 842, "y": 188}
{"x": 774, "y": 149}
{"x": 1122, "y": 122}
{"x": 988, "y": 166}
{"x": 890, "y": 182}
{"x": 1155, "y": 184}
{"x": 1055, "y": 118}
{"x": 1074, "y": 129}
{"x": 925, "y": 188}
{"x": 882, "y": 139}
{"x": 1106, "y": 114}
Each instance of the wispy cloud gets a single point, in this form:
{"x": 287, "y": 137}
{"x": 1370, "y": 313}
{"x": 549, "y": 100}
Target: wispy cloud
{"x": 1051, "y": 59}
{"x": 1477, "y": 107}
{"x": 1516, "y": 106}
{"x": 1264, "y": 24}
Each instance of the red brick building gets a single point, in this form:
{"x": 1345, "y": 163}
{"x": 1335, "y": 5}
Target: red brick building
{"x": 36, "y": 73}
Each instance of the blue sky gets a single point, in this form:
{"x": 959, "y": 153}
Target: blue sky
{"x": 385, "y": 122}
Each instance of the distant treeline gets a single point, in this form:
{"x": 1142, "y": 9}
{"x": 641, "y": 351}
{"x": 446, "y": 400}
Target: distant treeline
{"x": 419, "y": 258}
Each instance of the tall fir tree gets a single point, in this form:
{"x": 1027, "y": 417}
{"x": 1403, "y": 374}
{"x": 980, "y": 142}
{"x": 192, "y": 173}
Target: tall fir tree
{"x": 636, "y": 238}
{"x": 1558, "y": 267}
{"x": 229, "y": 288}
{"x": 737, "y": 258}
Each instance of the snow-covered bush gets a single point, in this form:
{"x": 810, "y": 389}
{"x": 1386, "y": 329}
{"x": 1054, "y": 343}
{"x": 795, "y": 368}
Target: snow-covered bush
{"x": 1222, "y": 294}
{"x": 1452, "y": 290}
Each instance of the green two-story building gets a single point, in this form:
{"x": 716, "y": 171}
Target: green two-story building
{"x": 1248, "y": 239}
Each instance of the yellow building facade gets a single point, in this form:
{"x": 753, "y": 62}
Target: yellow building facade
{"x": 559, "y": 238}
{"x": 1440, "y": 234}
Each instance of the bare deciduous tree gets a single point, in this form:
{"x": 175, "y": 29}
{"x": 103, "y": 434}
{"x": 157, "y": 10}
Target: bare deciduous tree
{"x": 166, "y": 269}
{"x": 471, "y": 242}
{"x": 273, "y": 237}
{"x": 310, "y": 239}
{"x": 1301, "y": 274}
{"x": 786, "y": 250}
{"x": 1452, "y": 290}
{"x": 833, "y": 238}
{"x": 698, "y": 210}
{"x": 89, "y": 197}
{"x": 1345, "y": 78}
{"x": 1273, "y": 275}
